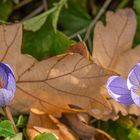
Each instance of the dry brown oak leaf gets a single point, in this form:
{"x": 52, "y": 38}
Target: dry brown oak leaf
{"x": 84, "y": 130}
{"x": 66, "y": 83}
{"x": 113, "y": 39}
{"x": 46, "y": 123}
{"x": 112, "y": 49}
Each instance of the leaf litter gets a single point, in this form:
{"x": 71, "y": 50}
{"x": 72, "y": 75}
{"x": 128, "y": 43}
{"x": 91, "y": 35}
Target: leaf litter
{"x": 78, "y": 81}
{"x": 42, "y": 85}
{"x": 113, "y": 50}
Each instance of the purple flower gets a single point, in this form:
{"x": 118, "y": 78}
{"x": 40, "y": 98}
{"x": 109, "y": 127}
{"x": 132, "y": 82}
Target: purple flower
{"x": 7, "y": 84}
{"x": 126, "y": 91}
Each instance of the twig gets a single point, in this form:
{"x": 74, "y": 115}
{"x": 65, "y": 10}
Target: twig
{"x": 45, "y": 4}
{"x": 22, "y": 3}
{"x": 102, "y": 10}
{"x": 80, "y": 38}
{"x": 90, "y": 45}
{"x": 104, "y": 133}
{"x": 34, "y": 13}
{"x": 91, "y": 26}
{"x": 79, "y": 32}
{"x": 9, "y": 117}
{"x": 122, "y": 4}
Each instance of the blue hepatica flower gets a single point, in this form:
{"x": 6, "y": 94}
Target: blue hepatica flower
{"x": 7, "y": 84}
{"x": 126, "y": 91}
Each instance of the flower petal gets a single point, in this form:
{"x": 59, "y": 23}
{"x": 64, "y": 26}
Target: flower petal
{"x": 3, "y": 75}
{"x": 5, "y": 97}
{"x": 135, "y": 96}
{"x": 134, "y": 77}
{"x": 117, "y": 88}
{"x": 7, "y": 75}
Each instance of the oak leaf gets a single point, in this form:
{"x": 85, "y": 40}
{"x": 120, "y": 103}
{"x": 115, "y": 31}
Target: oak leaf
{"x": 66, "y": 83}
{"x": 46, "y": 123}
{"x": 112, "y": 50}
{"x": 114, "y": 38}
{"x": 73, "y": 120}
{"x": 80, "y": 126}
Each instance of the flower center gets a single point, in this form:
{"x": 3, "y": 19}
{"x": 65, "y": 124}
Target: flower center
{"x": 1, "y": 83}
{"x": 138, "y": 93}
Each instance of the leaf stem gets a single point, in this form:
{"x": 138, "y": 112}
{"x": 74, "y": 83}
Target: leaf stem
{"x": 22, "y": 3}
{"x": 104, "y": 133}
{"x": 34, "y": 12}
{"x": 9, "y": 116}
{"x": 89, "y": 28}
{"x": 79, "y": 32}
{"x": 102, "y": 10}
{"x": 45, "y": 5}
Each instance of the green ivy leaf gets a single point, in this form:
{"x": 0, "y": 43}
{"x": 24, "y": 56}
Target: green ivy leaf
{"x": 76, "y": 13}
{"x": 6, "y": 129}
{"x": 35, "y": 23}
{"x": 5, "y": 9}
{"x": 134, "y": 134}
{"x": 16, "y": 137}
{"x": 45, "y": 136}
{"x": 137, "y": 8}
{"x": 22, "y": 121}
{"x": 47, "y": 40}
{"x": 57, "y": 13}
{"x": 125, "y": 122}
{"x": 119, "y": 129}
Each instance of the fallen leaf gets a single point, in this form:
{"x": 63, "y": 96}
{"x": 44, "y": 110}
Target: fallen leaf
{"x": 46, "y": 136}
{"x": 66, "y": 83}
{"x": 18, "y": 136}
{"x": 112, "y": 50}
{"x": 103, "y": 135}
{"x": 79, "y": 48}
{"x": 127, "y": 60}
{"x": 84, "y": 130}
{"x": 46, "y": 123}
{"x": 114, "y": 38}
{"x": 84, "y": 117}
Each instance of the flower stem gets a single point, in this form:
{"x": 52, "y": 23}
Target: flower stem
{"x": 9, "y": 117}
